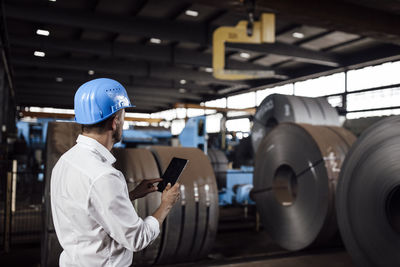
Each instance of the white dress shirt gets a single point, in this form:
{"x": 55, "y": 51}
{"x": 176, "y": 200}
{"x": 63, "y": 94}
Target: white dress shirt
{"x": 94, "y": 219}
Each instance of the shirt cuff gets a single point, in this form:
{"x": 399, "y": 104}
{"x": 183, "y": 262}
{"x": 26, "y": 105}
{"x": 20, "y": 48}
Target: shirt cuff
{"x": 154, "y": 225}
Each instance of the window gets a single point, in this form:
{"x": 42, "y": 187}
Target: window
{"x": 363, "y": 114}
{"x": 321, "y": 86}
{"x": 286, "y": 89}
{"x": 335, "y": 101}
{"x": 247, "y": 100}
{"x": 238, "y": 125}
{"x": 374, "y": 99}
{"x": 373, "y": 76}
{"x": 177, "y": 126}
{"x": 194, "y": 112}
{"x": 213, "y": 123}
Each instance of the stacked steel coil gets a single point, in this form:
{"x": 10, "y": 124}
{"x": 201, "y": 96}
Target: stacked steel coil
{"x": 368, "y": 196}
{"x": 136, "y": 165}
{"x": 277, "y": 108}
{"x": 219, "y": 163}
{"x": 296, "y": 171}
{"x": 189, "y": 229}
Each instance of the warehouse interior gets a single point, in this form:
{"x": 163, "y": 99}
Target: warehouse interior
{"x": 287, "y": 111}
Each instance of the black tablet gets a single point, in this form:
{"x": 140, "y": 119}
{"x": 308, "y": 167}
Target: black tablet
{"x": 172, "y": 172}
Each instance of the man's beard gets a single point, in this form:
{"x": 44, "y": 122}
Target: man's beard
{"x": 117, "y": 134}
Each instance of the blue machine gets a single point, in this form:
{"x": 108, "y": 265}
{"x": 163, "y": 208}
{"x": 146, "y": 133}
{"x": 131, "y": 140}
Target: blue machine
{"x": 239, "y": 183}
{"x": 34, "y": 133}
{"x": 144, "y": 136}
{"x": 194, "y": 133}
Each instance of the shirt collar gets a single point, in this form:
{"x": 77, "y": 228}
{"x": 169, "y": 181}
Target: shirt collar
{"x": 99, "y": 148}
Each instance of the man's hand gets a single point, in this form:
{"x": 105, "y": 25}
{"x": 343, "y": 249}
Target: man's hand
{"x": 146, "y": 186}
{"x": 170, "y": 195}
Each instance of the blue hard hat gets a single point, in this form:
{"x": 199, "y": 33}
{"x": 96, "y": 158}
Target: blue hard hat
{"x": 98, "y": 99}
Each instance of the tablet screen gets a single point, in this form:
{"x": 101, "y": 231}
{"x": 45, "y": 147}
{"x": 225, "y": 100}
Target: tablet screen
{"x": 172, "y": 172}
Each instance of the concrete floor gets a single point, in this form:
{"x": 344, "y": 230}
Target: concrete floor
{"x": 237, "y": 244}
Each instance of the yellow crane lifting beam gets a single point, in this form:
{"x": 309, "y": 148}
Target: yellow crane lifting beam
{"x": 263, "y": 31}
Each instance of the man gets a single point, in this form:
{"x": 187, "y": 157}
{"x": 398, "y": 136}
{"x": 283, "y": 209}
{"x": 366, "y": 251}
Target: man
{"x": 93, "y": 216}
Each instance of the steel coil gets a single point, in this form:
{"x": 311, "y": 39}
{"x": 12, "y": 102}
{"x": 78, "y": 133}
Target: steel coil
{"x": 190, "y": 229}
{"x": 219, "y": 163}
{"x": 296, "y": 171}
{"x": 368, "y": 196}
{"x": 277, "y": 108}
{"x": 136, "y": 165}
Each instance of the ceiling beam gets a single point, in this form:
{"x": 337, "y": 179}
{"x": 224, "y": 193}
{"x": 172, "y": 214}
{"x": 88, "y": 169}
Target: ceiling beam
{"x": 334, "y": 15}
{"x": 79, "y": 77}
{"x": 35, "y": 114}
{"x": 146, "y": 27}
{"x": 160, "y": 53}
{"x": 338, "y": 15}
{"x": 163, "y": 29}
{"x": 134, "y": 91}
{"x": 33, "y": 92}
{"x": 136, "y": 69}
{"x": 296, "y": 52}
{"x": 27, "y": 99}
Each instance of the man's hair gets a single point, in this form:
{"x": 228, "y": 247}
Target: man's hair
{"x": 100, "y": 127}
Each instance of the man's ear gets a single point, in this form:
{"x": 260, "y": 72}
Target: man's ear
{"x": 114, "y": 122}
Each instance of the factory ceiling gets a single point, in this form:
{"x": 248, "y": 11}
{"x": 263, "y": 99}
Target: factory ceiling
{"x": 161, "y": 50}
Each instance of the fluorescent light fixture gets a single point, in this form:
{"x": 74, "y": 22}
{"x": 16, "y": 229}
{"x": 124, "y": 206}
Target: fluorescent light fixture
{"x": 39, "y": 53}
{"x": 42, "y": 32}
{"x": 298, "y": 35}
{"x": 155, "y": 40}
{"x": 244, "y": 55}
{"x": 208, "y": 69}
{"x": 182, "y": 81}
{"x": 182, "y": 90}
{"x": 192, "y": 13}
{"x": 59, "y": 79}
{"x": 91, "y": 72}
{"x": 52, "y": 0}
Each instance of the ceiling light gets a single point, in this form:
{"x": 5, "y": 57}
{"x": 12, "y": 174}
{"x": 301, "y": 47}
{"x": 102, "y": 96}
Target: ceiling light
{"x": 91, "y": 72}
{"x": 245, "y": 55}
{"x": 39, "y": 53}
{"x": 298, "y": 35}
{"x": 208, "y": 69}
{"x": 182, "y": 90}
{"x": 155, "y": 40}
{"x": 182, "y": 81}
{"x": 59, "y": 79}
{"x": 42, "y": 32}
{"x": 191, "y": 13}
{"x": 52, "y": 0}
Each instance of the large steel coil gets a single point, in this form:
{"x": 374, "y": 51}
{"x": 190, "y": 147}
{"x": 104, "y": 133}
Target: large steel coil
{"x": 296, "y": 170}
{"x": 190, "y": 229}
{"x": 219, "y": 163}
{"x": 368, "y": 196}
{"x": 277, "y": 108}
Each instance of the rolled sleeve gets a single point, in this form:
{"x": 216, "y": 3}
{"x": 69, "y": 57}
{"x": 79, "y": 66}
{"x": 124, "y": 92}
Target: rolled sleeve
{"x": 110, "y": 206}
